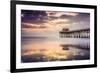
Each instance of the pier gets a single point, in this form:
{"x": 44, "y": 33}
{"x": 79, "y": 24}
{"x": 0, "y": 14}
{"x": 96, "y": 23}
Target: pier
{"x": 82, "y": 33}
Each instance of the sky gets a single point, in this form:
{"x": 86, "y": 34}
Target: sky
{"x": 55, "y": 21}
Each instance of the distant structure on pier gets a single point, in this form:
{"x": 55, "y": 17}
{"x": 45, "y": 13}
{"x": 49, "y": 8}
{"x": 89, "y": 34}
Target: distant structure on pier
{"x": 81, "y": 33}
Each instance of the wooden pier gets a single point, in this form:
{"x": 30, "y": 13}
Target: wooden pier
{"x": 82, "y": 33}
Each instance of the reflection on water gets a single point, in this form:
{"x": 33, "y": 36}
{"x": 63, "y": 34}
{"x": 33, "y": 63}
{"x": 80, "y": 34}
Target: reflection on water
{"x": 41, "y": 49}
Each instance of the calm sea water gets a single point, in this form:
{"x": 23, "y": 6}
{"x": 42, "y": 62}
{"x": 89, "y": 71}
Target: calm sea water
{"x": 42, "y": 49}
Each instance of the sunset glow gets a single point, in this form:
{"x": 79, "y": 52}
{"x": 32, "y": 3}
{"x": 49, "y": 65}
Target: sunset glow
{"x": 41, "y": 40}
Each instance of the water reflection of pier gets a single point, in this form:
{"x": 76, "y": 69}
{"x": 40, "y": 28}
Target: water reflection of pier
{"x": 85, "y": 47}
{"x": 82, "y": 33}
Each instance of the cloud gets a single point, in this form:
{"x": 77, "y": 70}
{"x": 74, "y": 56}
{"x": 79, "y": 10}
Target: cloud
{"x": 57, "y": 21}
{"x": 60, "y": 13}
{"x": 53, "y": 19}
{"x": 28, "y": 25}
{"x": 82, "y": 18}
{"x": 29, "y": 16}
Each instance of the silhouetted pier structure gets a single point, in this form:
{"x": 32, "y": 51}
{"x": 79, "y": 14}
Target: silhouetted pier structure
{"x": 82, "y": 33}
